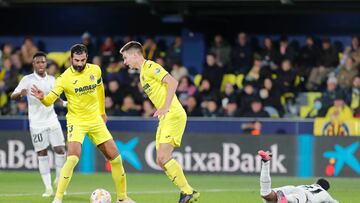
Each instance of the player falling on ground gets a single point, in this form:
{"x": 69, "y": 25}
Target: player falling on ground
{"x": 160, "y": 88}
{"x": 84, "y": 90}
{"x": 45, "y": 128}
{"x": 314, "y": 193}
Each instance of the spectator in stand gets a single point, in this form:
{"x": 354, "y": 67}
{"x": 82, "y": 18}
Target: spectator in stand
{"x": 108, "y": 48}
{"x": 178, "y": 71}
{"x": 286, "y": 51}
{"x": 22, "y": 107}
{"x": 269, "y": 53}
{"x": 185, "y": 89}
{"x": 231, "y": 109}
{"x": 192, "y": 108}
{"x": 340, "y": 111}
{"x": 354, "y": 43}
{"x": 221, "y": 50}
{"x": 113, "y": 70}
{"x": 91, "y": 47}
{"x": 129, "y": 108}
{"x": 327, "y": 62}
{"x": 211, "y": 109}
{"x": 308, "y": 57}
{"x": 206, "y": 92}
{"x": 256, "y": 110}
{"x": 257, "y": 70}
{"x": 248, "y": 94}
{"x": 241, "y": 56}
{"x": 228, "y": 95}
{"x": 9, "y": 76}
{"x": 353, "y": 96}
{"x": 148, "y": 109}
{"x": 115, "y": 93}
{"x": 150, "y": 49}
{"x": 161, "y": 61}
{"x": 53, "y": 69}
{"x": 109, "y": 106}
{"x": 7, "y": 49}
{"x": 286, "y": 78}
{"x": 97, "y": 61}
{"x": 328, "y": 97}
{"x": 28, "y": 50}
{"x": 212, "y": 71}
{"x": 174, "y": 52}
{"x": 346, "y": 74}
{"x": 270, "y": 96}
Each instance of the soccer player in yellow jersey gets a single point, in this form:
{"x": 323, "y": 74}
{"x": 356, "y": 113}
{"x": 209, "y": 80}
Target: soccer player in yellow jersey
{"x": 84, "y": 90}
{"x": 160, "y": 88}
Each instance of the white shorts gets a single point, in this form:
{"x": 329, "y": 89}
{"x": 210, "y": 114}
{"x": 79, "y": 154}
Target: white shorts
{"x": 292, "y": 190}
{"x": 42, "y": 137}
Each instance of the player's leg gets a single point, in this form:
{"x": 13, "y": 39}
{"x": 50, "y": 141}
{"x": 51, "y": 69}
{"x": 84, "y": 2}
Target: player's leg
{"x": 56, "y": 139}
{"x": 40, "y": 141}
{"x": 102, "y": 138}
{"x": 296, "y": 195}
{"x": 265, "y": 180}
{"x": 168, "y": 136}
{"x": 76, "y": 135}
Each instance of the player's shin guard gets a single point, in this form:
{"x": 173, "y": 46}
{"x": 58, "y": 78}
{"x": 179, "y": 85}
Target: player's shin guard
{"x": 119, "y": 176}
{"x": 44, "y": 169}
{"x": 175, "y": 173}
{"x": 265, "y": 180}
{"x": 59, "y": 163}
{"x": 65, "y": 175}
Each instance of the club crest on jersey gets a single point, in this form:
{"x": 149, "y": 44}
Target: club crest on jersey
{"x": 157, "y": 70}
{"x": 92, "y": 78}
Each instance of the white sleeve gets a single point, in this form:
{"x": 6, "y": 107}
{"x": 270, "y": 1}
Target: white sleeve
{"x": 22, "y": 85}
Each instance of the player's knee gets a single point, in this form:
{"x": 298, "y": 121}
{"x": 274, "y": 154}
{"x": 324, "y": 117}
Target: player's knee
{"x": 271, "y": 197}
{"x": 161, "y": 159}
{"x": 59, "y": 149}
{"x": 42, "y": 152}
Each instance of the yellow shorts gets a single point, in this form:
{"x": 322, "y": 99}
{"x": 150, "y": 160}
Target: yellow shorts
{"x": 171, "y": 129}
{"x": 95, "y": 130}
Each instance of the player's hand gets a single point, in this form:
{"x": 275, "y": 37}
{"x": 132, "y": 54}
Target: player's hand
{"x": 104, "y": 117}
{"x": 23, "y": 92}
{"x": 36, "y": 92}
{"x": 161, "y": 112}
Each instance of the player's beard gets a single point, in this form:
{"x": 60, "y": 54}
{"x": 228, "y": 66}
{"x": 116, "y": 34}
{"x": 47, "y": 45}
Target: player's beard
{"x": 79, "y": 68}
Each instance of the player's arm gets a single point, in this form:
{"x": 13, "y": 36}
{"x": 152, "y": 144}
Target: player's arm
{"x": 20, "y": 90}
{"x": 101, "y": 95}
{"x": 172, "y": 84}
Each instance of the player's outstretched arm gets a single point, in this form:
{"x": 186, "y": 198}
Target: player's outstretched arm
{"x": 172, "y": 84}
{"x": 46, "y": 100}
{"x": 101, "y": 97}
{"x": 19, "y": 95}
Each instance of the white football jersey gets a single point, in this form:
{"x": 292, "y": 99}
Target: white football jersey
{"x": 40, "y": 116}
{"x": 316, "y": 194}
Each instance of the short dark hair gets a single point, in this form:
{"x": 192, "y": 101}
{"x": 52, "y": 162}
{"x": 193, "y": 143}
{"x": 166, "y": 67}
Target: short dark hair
{"x": 39, "y": 53}
{"x": 78, "y": 49}
{"x": 132, "y": 45}
{"x": 323, "y": 183}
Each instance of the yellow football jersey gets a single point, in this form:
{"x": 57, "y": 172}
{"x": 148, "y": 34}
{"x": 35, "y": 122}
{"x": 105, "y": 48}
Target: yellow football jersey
{"x": 151, "y": 75}
{"x": 84, "y": 92}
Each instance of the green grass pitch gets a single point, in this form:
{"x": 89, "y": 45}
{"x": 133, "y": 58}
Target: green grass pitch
{"x": 26, "y": 187}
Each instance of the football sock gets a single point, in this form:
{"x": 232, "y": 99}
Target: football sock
{"x": 175, "y": 173}
{"x": 65, "y": 175}
{"x": 44, "y": 169}
{"x": 59, "y": 162}
{"x": 265, "y": 180}
{"x": 119, "y": 177}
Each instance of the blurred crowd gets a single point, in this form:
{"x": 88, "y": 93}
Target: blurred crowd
{"x": 241, "y": 77}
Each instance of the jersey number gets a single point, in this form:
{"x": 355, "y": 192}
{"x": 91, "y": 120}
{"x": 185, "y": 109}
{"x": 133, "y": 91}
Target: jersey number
{"x": 37, "y": 138}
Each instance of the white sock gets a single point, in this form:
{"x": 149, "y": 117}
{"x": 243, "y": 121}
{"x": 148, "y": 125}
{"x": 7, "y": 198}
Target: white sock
{"x": 59, "y": 162}
{"x": 44, "y": 168}
{"x": 265, "y": 180}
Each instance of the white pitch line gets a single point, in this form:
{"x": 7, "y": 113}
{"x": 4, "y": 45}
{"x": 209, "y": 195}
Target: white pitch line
{"x": 133, "y": 192}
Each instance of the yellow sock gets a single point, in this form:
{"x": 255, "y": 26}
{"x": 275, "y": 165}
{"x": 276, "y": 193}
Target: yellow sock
{"x": 65, "y": 175}
{"x": 175, "y": 173}
{"x": 119, "y": 176}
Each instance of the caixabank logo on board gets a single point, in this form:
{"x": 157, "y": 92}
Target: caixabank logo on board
{"x": 342, "y": 156}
